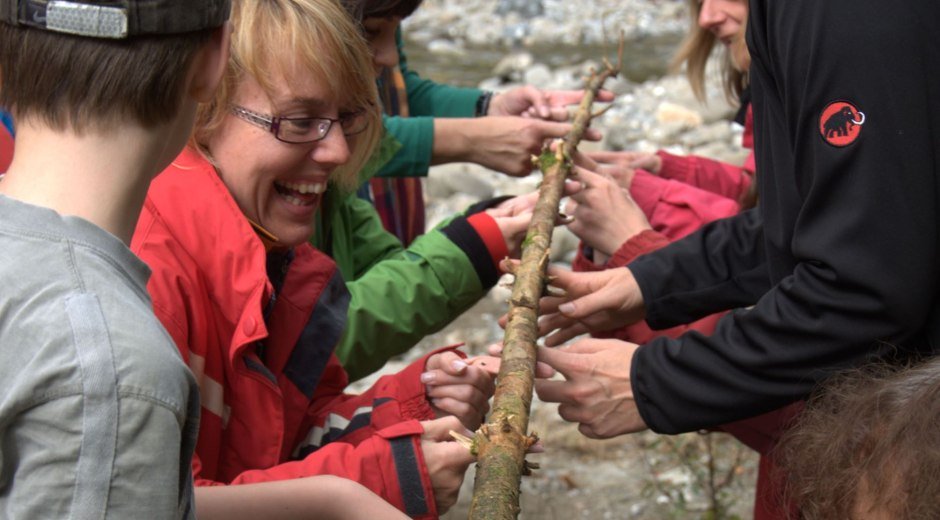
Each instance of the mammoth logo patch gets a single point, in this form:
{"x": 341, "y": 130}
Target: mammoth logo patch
{"x": 841, "y": 123}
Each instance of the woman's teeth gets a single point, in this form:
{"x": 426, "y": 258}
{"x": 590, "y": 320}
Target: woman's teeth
{"x": 304, "y": 187}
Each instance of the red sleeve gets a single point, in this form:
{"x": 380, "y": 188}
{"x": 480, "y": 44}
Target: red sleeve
{"x": 390, "y": 463}
{"x": 676, "y": 209}
{"x": 390, "y": 400}
{"x": 644, "y": 242}
{"x": 582, "y": 262}
{"x": 373, "y": 438}
{"x": 720, "y": 178}
{"x": 747, "y": 138}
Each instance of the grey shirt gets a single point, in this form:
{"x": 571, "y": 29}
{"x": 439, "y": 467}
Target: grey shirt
{"x": 98, "y": 413}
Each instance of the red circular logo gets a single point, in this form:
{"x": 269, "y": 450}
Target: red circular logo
{"x": 841, "y": 123}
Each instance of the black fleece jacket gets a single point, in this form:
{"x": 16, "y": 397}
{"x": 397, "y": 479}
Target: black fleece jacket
{"x": 839, "y": 264}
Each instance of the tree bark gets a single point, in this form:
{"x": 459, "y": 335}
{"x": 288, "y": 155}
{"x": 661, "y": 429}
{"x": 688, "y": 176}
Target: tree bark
{"x": 501, "y": 443}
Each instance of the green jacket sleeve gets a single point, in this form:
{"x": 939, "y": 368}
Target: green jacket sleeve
{"x": 426, "y": 100}
{"x": 398, "y": 295}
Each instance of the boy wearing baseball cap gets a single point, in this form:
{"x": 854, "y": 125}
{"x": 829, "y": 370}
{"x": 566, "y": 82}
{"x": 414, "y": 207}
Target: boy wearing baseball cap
{"x": 98, "y": 413}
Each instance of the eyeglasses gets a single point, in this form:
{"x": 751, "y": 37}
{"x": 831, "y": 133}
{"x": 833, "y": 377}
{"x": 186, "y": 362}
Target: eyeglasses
{"x": 297, "y": 130}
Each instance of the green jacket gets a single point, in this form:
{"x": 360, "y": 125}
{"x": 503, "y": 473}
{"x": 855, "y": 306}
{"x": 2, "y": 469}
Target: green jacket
{"x": 426, "y": 100}
{"x": 399, "y": 295}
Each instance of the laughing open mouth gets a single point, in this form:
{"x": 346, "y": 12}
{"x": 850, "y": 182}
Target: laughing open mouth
{"x": 300, "y": 193}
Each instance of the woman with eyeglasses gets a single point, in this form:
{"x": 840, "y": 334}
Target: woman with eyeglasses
{"x": 256, "y": 311}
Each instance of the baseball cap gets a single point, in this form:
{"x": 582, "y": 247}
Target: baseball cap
{"x": 116, "y": 19}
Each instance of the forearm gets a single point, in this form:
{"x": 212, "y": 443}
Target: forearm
{"x": 326, "y": 497}
{"x": 454, "y": 140}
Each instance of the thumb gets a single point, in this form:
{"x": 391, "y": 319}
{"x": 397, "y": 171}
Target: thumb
{"x": 439, "y": 429}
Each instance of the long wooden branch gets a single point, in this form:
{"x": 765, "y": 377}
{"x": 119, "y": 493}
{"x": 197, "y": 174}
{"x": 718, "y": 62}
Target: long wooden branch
{"x": 502, "y": 442}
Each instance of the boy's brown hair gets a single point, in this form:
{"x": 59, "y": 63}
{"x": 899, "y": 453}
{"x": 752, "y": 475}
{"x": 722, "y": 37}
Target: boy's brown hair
{"x": 93, "y": 64}
{"x": 79, "y": 83}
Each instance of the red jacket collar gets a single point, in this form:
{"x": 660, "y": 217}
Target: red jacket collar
{"x": 205, "y": 221}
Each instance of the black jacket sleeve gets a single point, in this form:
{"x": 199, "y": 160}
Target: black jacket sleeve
{"x": 850, "y": 232}
{"x": 720, "y": 267}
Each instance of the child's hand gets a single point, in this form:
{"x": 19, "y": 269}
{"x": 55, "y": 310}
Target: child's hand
{"x": 455, "y": 387}
{"x": 447, "y": 461}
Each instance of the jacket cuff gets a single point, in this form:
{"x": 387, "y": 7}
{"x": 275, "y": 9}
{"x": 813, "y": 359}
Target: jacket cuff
{"x": 486, "y": 204}
{"x": 485, "y": 225}
{"x": 643, "y": 402}
{"x": 462, "y": 233}
{"x": 583, "y": 260}
{"x": 673, "y": 166}
{"x": 414, "y": 403}
{"x": 416, "y": 494}
{"x": 642, "y": 243}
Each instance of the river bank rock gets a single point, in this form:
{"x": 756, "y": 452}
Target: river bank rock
{"x": 528, "y": 22}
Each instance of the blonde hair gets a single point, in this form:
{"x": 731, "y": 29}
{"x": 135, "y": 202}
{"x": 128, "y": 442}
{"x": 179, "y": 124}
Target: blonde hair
{"x": 694, "y": 51}
{"x": 272, "y": 38}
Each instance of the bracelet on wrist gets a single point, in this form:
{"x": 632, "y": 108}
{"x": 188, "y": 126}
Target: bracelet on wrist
{"x": 483, "y": 103}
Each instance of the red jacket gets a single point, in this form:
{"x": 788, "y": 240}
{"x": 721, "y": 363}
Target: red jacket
{"x": 6, "y": 149}
{"x": 284, "y": 417}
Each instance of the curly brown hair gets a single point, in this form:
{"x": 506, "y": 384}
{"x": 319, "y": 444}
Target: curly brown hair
{"x": 867, "y": 446}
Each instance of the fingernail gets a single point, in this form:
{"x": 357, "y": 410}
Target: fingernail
{"x": 427, "y": 377}
{"x": 459, "y": 365}
{"x": 566, "y": 308}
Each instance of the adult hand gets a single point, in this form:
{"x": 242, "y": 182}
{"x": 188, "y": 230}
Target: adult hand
{"x": 447, "y": 461}
{"x": 605, "y": 215}
{"x": 550, "y": 105}
{"x": 596, "y": 392}
{"x": 504, "y": 144}
{"x": 594, "y": 301}
{"x": 620, "y": 174}
{"x": 650, "y": 162}
{"x": 513, "y": 216}
{"x": 457, "y": 388}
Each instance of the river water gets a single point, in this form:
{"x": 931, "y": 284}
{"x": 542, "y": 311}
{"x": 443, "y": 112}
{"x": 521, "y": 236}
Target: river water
{"x": 644, "y": 59}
